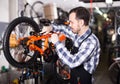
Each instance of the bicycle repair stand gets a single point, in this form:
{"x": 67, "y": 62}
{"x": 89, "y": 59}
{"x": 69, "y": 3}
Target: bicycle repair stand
{"x": 34, "y": 74}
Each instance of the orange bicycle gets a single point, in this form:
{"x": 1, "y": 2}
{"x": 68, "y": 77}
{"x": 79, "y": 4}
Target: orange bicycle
{"x": 23, "y": 42}
{"x": 25, "y": 47}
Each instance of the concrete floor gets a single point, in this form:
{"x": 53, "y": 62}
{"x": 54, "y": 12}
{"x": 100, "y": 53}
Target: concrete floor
{"x": 101, "y": 75}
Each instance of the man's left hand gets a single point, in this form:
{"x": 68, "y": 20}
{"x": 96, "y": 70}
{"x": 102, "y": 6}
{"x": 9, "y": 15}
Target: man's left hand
{"x": 54, "y": 38}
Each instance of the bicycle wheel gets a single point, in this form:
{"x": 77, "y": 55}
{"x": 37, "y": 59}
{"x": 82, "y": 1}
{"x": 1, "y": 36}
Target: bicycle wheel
{"x": 19, "y": 56}
{"x": 118, "y": 78}
{"x": 37, "y": 12}
{"x": 114, "y": 72}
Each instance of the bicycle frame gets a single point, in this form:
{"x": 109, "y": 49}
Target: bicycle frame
{"x": 45, "y": 37}
{"x": 33, "y": 38}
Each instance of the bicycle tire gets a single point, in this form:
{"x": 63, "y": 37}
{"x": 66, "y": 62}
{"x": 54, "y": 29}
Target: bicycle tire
{"x": 37, "y": 13}
{"x": 118, "y": 78}
{"x": 32, "y": 10}
{"x": 114, "y": 73}
{"x": 6, "y": 45}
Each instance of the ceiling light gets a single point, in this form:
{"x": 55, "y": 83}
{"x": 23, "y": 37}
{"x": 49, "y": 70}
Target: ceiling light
{"x": 98, "y": 11}
{"x": 105, "y": 15}
{"x": 109, "y": 1}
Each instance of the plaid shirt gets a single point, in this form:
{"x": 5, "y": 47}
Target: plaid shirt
{"x": 88, "y": 52}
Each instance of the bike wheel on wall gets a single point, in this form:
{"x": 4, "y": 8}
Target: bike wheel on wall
{"x": 37, "y": 12}
{"x": 16, "y": 54}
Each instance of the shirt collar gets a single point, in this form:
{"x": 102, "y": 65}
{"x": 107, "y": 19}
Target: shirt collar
{"x": 81, "y": 38}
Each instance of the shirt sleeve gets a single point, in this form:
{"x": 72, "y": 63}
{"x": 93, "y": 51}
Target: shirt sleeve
{"x": 77, "y": 59}
{"x": 65, "y": 30}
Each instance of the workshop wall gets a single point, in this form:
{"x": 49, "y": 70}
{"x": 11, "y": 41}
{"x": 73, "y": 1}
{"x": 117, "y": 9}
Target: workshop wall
{"x": 8, "y": 10}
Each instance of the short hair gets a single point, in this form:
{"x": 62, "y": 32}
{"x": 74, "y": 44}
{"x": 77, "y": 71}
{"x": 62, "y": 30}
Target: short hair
{"x": 81, "y": 13}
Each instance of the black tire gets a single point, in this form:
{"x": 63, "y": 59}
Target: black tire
{"x": 37, "y": 15}
{"x": 33, "y": 12}
{"x": 118, "y": 77}
{"x": 19, "y": 26}
{"x": 114, "y": 73}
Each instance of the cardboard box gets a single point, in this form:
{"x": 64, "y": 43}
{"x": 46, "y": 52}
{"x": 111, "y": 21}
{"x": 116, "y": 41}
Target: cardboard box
{"x": 50, "y": 11}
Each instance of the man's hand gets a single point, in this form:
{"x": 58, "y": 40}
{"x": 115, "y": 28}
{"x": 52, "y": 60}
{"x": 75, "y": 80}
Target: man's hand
{"x": 46, "y": 29}
{"x": 54, "y": 38}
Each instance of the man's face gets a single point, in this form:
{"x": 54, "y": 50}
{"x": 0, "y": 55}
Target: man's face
{"x": 74, "y": 23}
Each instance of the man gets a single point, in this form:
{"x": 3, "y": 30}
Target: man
{"x": 84, "y": 56}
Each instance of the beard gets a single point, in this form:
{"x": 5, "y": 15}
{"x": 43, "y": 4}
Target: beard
{"x": 76, "y": 31}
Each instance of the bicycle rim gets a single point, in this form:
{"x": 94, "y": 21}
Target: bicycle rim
{"x": 15, "y": 55}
